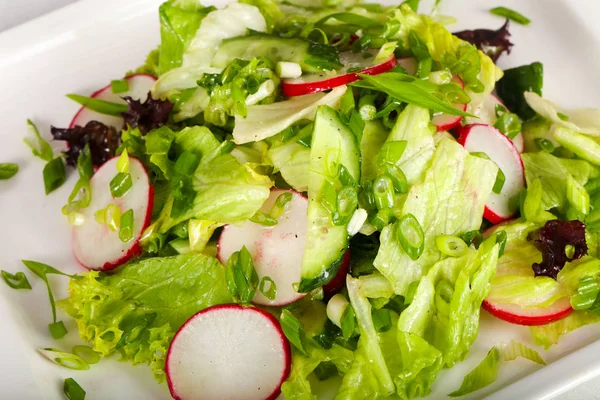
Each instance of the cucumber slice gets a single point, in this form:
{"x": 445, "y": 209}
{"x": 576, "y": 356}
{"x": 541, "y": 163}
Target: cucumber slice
{"x": 333, "y": 144}
{"x": 312, "y": 57}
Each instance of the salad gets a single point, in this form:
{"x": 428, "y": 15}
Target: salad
{"x": 296, "y": 190}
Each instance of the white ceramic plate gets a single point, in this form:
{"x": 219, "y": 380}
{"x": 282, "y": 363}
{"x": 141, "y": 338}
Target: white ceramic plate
{"x": 82, "y": 47}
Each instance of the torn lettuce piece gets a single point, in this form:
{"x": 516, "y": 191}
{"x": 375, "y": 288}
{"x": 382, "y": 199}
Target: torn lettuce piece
{"x": 486, "y": 372}
{"x": 549, "y": 334}
{"x": 582, "y": 120}
{"x": 553, "y": 173}
{"x": 263, "y": 121}
{"x": 134, "y": 312}
{"x": 455, "y": 181}
{"x": 291, "y": 159}
{"x": 412, "y": 126}
{"x": 232, "y": 21}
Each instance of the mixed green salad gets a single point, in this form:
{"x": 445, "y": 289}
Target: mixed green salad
{"x": 301, "y": 189}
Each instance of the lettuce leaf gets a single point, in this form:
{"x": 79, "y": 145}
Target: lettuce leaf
{"x": 263, "y": 121}
{"x": 231, "y": 21}
{"x": 583, "y": 120}
{"x": 291, "y": 160}
{"x": 179, "y": 22}
{"x": 549, "y": 334}
{"x": 412, "y": 125}
{"x": 456, "y": 181}
{"x": 137, "y": 310}
{"x": 553, "y": 172}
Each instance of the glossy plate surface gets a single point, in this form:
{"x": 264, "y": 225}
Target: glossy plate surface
{"x": 82, "y": 47}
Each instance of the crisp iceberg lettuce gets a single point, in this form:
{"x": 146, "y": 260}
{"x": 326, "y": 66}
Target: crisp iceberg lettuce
{"x": 291, "y": 160}
{"x": 455, "y": 182}
{"x": 549, "y": 334}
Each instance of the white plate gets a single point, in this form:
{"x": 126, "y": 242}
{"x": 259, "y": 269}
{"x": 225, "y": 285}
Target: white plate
{"x": 82, "y": 47}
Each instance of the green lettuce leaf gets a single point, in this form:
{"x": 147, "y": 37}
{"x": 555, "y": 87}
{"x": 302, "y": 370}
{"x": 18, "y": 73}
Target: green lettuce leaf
{"x": 291, "y": 160}
{"x": 549, "y": 334}
{"x": 553, "y": 172}
{"x": 456, "y": 181}
{"x": 487, "y": 371}
{"x": 270, "y": 10}
{"x": 179, "y": 22}
{"x": 231, "y": 21}
{"x": 412, "y": 125}
{"x": 137, "y": 310}
{"x": 536, "y": 128}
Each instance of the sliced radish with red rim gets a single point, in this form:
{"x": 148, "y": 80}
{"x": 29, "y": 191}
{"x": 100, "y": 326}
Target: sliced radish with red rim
{"x": 138, "y": 88}
{"x": 276, "y": 250}
{"x": 95, "y": 245}
{"x": 486, "y": 114}
{"x": 445, "y": 122}
{"x": 516, "y": 314}
{"x": 481, "y": 138}
{"x": 228, "y": 352}
{"x": 313, "y": 83}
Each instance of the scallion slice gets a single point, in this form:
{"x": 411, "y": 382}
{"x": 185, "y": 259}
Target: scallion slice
{"x": 72, "y": 390}
{"x": 119, "y": 86}
{"x": 126, "y": 226}
{"x": 100, "y": 106}
{"x": 511, "y": 14}
{"x": 8, "y": 170}
{"x": 269, "y": 292}
{"x": 64, "y": 359}
{"x": 451, "y": 245}
{"x": 86, "y": 353}
{"x": 410, "y": 236}
{"x": 120, "y": 184}
{"x": 16, "y": 281}
{"x": 293, "y": 330}
{"x": 39, "y": 147}
{"x": 54, "y": 174}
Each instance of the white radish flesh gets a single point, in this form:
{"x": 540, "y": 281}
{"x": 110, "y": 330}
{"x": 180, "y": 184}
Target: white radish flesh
{"x": 228, "y": 352}
{"x": 486, "y": 114}
{"x": 276, "y": 250}
{"x": 138, "y": 88}
{"x": 95, "y": 245}
{"x": 487, "y": 139}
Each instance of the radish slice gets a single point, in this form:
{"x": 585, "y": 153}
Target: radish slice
{"x": 409, "y": 64}
{"x": 445, "y": 122}
{"x": 486, "y": 113}
{"x": 529, "y": 316}
{"x": 276, "y": 250}
{"x": 228, "y": 352}
{"x": 313, "y": 83}
{"x": 500, "y": 149}
{"x": 94, "y": 244}
{"x": 139, "y": 87}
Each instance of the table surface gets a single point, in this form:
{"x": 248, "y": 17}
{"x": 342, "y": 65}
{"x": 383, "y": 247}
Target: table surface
{"x": 13, "y": 12}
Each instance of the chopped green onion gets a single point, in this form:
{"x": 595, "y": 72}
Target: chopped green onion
{"x": 366, "y": 197}
{"x": 509, "y": 124}
{"x": 120, "y": 184}
{"x": 587, "y": 292}
{"x": 305, "y": 141}
{"x": 451, "y": 245}
{"x": 366, "y": 107}
{"x": 391, "y": 152}
{"x": 562, "y": 116}
{"x": 39, "y": 147}
{"x": 348, "y": 322}
{"x": 499, "y": 183}
{"x": 8, "y": 170}
{"x": 410, "y": 236}
{"x": 381, "y": 219}
{"x": 72, "y": 390}
{"x": 126, "y": 226}
{"x": 66, "y": 360}
{"x": 329, "y": 197}
{"x": 86, "y": 353}
{"x": 119, "y": 86}
{"x": 123, "y": 162}
{"x": 345, "y": 177}
{"x": 263, "y": 219}
{"x": 472, "y": 238}
{"x": 57, "y": 329}
{"x": 347, "y": 104}
{"x": 278, "y": 207}
{"x": 81, "y": 186}
{"x": 499, "y": 109}
{"x": 54, "y": 174}
{"x": 110, "y": 216}
{"x": 16, "y": 281}
{"x": 241, "y": 277}
{"x": 501, "y": 238}
{"x": 382, "y": 319}
{"x": 487, "y": 371}
{"x": 75, "y": 218}
{"x": 511, "y": 14}
{"x": 270, "y": 292}
{"x": 441, "y": 77}
{"x": 293, "y": 330}
{"x": 187, "y": 163}
{"x": 100, "y": 106}
{"x": 398, "y": 178}
{"x": 85, "y": 167}
{"x": 544, "y": 144}
{"x": 410, "y": 292}
{"x": 347, "y": 201}
{"x": 383, "y": 190}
